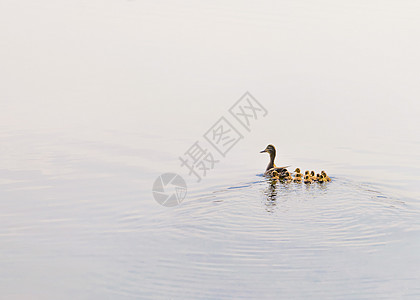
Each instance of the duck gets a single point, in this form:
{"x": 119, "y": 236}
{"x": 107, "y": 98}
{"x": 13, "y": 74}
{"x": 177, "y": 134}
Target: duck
{"x": 307, "y": 179}
{"x": 313, "y": 175}
{"x": 327, "y": 178}
{"x": 270, "y": 149}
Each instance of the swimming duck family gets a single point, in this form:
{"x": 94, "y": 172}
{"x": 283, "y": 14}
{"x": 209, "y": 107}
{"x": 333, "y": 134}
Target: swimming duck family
{"x": 281, "y": 173}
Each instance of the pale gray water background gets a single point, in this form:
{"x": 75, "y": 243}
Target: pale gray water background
{"x": 99, "y": 98}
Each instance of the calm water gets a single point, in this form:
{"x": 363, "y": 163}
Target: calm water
{"x": 99, "y": 99}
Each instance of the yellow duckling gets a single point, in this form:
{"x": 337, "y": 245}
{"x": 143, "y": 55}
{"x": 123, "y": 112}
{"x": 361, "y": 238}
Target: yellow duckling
{"x": 306, "y": 172}
{"x": 307, "y": 179}
{"x": 321, "y": 179}
{"x": 288, "y": 177}
{"x": 298, "y": 178}
{"x": 313, "y": 175}
{"x": 327, "y": 178}
{"x": 297, "y": 170}
{"x": 274, "y": 178}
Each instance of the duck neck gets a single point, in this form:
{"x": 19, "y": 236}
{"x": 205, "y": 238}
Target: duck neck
{"x": 271, "y": 163}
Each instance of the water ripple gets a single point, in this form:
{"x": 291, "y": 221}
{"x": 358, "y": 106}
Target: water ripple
{"x": 250, "y": 229}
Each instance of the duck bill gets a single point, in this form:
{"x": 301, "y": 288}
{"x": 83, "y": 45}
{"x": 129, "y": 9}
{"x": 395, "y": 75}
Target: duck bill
{"x": 263, "y": 151}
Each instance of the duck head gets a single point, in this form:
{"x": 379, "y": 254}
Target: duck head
{"x": 270, "y": 149}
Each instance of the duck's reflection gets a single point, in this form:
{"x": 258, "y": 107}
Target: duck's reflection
{"x": 271, "y": 195}
{"x": 287, "y": 187}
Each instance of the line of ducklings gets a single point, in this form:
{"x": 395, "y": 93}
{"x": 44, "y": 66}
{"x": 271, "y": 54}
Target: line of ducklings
{"x": 308, "y": 177}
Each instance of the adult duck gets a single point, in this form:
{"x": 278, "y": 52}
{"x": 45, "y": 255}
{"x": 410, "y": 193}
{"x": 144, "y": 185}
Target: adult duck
{"x": 270, "y": 149}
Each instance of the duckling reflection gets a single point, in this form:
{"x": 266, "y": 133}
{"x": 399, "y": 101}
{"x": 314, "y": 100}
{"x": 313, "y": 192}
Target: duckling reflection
{"x": 271, "y": 191}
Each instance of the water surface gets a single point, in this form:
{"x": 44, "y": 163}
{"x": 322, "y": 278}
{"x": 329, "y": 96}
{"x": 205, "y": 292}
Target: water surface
{"x": 100, "y": 99}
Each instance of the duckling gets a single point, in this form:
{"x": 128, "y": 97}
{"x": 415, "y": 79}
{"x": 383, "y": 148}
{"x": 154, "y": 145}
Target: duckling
{"x": 321, "y": 179}
{"x": 288, "y": 177}
{"x": 270, "y": 149}
{"x": 307, "y": 179}
{"x": 313, "y": 177}
{"x": 298, "y": 178}
{"x": 275, "y": 175}
{"x": 327, "y": 178}
{"x": 297, "y": 170}
{"x": 306, "y": 172}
